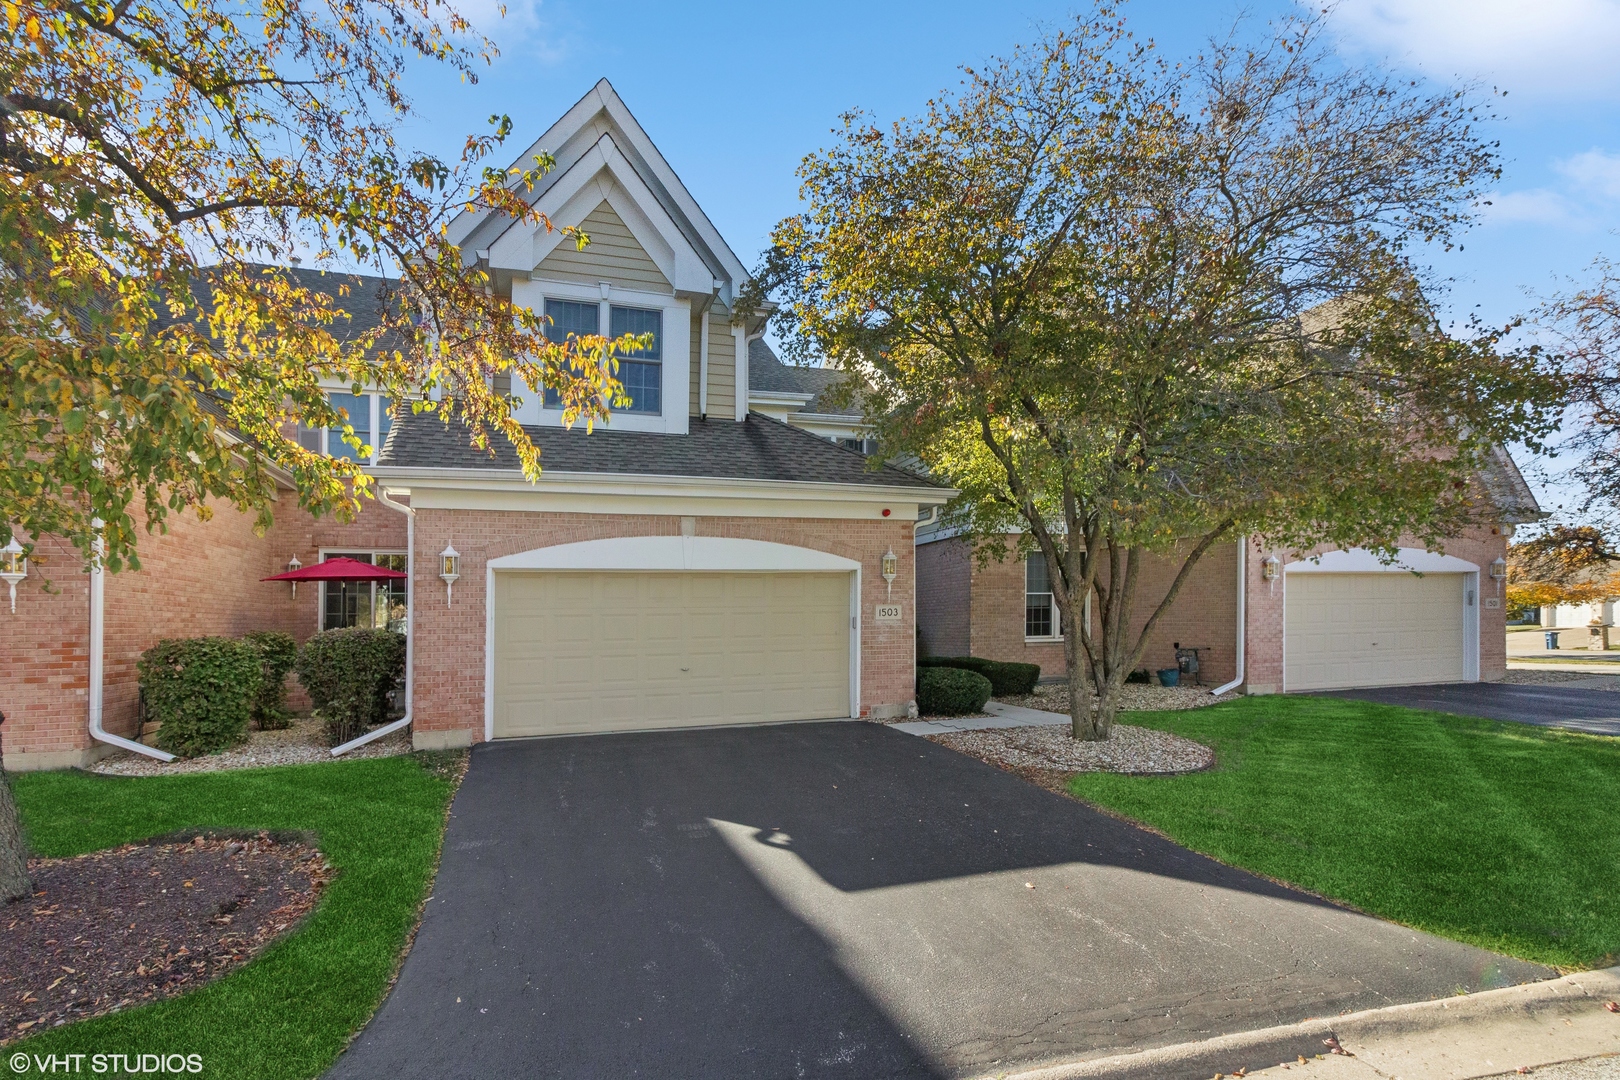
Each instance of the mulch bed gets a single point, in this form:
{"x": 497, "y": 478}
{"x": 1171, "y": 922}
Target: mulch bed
{"x": 1130, "y": 749}
{"x": 139, "y": 923}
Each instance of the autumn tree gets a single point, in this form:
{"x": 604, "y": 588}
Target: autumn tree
{"x": 1584, "y": 325}
{"x": 1566, "y": 564}
{"x": 1135, "y": 310}
{"x": 160, "y": 162}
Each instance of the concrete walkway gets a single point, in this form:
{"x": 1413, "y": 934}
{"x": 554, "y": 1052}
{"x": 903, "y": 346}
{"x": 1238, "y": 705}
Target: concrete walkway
{"x": 1000, "y": 716}
{"x": 1467, "y": 1037}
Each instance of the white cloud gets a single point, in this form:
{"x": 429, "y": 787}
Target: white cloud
{"x": 1594, "y": 173}
{"x": 516, "y": 28}
{"x": 1587, "y": 199}
{"x": 1542, "y": 49}
{"x": 1537, "y": 206}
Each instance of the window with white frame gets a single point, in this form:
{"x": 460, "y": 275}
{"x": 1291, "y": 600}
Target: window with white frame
{"x": 641, "y": 371}
{"x": 1040, "y": 617}
{"x": 368, "y": 414}
{"x": 381, "y": 605}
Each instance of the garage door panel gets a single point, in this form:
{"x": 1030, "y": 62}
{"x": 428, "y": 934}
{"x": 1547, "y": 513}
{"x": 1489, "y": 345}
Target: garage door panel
{"x": 579, "y": 652}
{"x": 1389, "y": 629}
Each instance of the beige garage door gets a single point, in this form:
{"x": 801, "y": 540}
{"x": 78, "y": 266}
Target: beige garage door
{"x": 1390, "y": 629}
{"x": 577, "y": 652}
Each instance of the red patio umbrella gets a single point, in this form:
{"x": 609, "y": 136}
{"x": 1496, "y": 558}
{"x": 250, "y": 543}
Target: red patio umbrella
{"x": 339, "y": 569}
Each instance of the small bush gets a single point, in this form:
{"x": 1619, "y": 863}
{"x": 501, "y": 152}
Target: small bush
{"x": 1005, "y": 676}
{"x": 950, "y": 691}
{"x": 201, "y": 690}
{"x": 348, "y": 674}
{"x": 278, "y": 653}
{"x": 1140, "y": 676}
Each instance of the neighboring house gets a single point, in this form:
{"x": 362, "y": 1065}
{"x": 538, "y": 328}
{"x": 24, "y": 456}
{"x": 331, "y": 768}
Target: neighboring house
{"x": 1340, "y": 619}
{"x": 804, "y": 397}
{"x": 691, "y": 562}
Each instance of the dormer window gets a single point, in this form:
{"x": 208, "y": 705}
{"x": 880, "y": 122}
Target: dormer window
{"x": 641, "y": 372}
{"x": 367, "y": 414}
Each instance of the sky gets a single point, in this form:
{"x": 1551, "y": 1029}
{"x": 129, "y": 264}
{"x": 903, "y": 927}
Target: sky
{"x": 735, "y": 94}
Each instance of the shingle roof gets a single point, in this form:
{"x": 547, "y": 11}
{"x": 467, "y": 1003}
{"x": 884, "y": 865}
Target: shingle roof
{"x": 767, "y": 372}
{"x": 758, "y": 448}
{"x": 1508, "y": 491}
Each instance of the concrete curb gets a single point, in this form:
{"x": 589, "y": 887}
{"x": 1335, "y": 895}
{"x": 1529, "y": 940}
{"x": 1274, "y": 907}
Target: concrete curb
{"x": 1473, "y": 1035}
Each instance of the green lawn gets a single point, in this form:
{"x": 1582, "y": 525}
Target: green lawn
{"x": 1501, "y": 835}
{"x": 289, "y": 1012}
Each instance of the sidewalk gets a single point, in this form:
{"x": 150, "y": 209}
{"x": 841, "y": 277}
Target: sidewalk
{"x": 1000, "y": 716}
{"x": 1490, "y": 1034}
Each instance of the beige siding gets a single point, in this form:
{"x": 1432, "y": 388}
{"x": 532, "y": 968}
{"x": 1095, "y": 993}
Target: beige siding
{"x": 722, "y": 364}
{"x": 613, "y": 255}
{"x": 696, "y": 366}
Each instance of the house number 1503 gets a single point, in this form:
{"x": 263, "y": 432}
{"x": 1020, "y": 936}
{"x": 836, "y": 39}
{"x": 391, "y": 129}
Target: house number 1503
{"x": 886, "y": 613}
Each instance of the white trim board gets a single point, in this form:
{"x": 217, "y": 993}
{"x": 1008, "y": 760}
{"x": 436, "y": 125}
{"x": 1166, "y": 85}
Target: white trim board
{"x": 1362, "y": 561}
{"x": 677, "y": 553}
{"x": 671, "y": 554}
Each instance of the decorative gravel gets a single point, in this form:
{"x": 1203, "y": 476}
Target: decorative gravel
{"x": 113, "y": 929}
{"x": 301, "y": 744}
{"x": 1134, "y": 697}
{"x": 1130, "y": 749}
{"x": 1523, "y": 677}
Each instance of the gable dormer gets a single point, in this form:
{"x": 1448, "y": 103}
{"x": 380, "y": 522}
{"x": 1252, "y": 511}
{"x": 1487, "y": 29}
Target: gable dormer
{"x": 654, "y": 262}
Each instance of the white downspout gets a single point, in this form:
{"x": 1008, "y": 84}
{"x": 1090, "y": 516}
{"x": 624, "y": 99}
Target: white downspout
{"x": 98, "y": 622}
{"x": 703, "y": 353}
{"x": 1242, "y": 595}
{"x": 410, "y": 628}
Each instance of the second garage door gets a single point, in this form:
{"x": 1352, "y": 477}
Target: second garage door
{"x": 580, "y": 652}
{"x": 1392, "y": 629}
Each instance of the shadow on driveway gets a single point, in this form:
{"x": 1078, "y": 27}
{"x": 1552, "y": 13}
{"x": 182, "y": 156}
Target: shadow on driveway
{"x": 1596, "y": 712}
{"x": 842, "y": 900}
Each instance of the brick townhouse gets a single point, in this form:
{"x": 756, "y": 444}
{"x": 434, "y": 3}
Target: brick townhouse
{"x": 709, "y": 555}
{"x": 1264, "y": 621}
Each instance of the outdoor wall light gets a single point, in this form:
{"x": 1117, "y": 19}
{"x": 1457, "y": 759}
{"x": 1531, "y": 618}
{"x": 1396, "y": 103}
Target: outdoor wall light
{"x": 293, "y": 565}
{"x": 1498, "y": 569}
{"x": 449, "y": 571}
{"x": 13, "y": 568}
{"x": 891, "y": 570}
{"x": 1270, "y": 568}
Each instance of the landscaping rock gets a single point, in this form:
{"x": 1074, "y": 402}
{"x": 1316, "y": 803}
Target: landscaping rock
{"x": 302, "y": 743}
{"x": 1131, "y": 749}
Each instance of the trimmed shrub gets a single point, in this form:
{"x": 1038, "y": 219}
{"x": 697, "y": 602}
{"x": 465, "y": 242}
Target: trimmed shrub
{"x": 348, "y": 674}
{"x": 278, "y": 653}
{"x": 1005, "y": 676}
{"x": 201, "y": 690}
{"x": 950, "y": 691}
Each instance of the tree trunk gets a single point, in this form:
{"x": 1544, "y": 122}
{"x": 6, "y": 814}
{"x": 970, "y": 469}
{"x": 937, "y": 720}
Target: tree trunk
{"x": 14, "y": 883}
{"x": 1081, "y": 724}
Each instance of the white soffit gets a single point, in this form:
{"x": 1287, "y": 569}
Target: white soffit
{"x": 1362, "y": 561}
{"x": 685, "y": 553}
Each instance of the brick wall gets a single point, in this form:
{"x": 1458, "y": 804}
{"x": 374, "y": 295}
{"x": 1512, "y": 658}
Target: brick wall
{"x": 1264, "y": 617}
{"x": 197, "y": 578}
{"x": 944, "y": 597}
{"x": 44, "y": 658}
{"x": 448, "y": 696}
{"x": 1204, "y": 614}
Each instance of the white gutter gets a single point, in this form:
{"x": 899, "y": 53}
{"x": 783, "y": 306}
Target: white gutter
{"x": 1242, "y": 595}
{"x": 410, "y": 629}
{"x": 98, "y": 622}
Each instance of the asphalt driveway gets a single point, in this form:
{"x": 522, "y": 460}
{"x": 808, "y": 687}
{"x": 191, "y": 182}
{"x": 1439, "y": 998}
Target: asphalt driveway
{"x": 1596, "y": 712}
{"x": 842, "y": 900}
